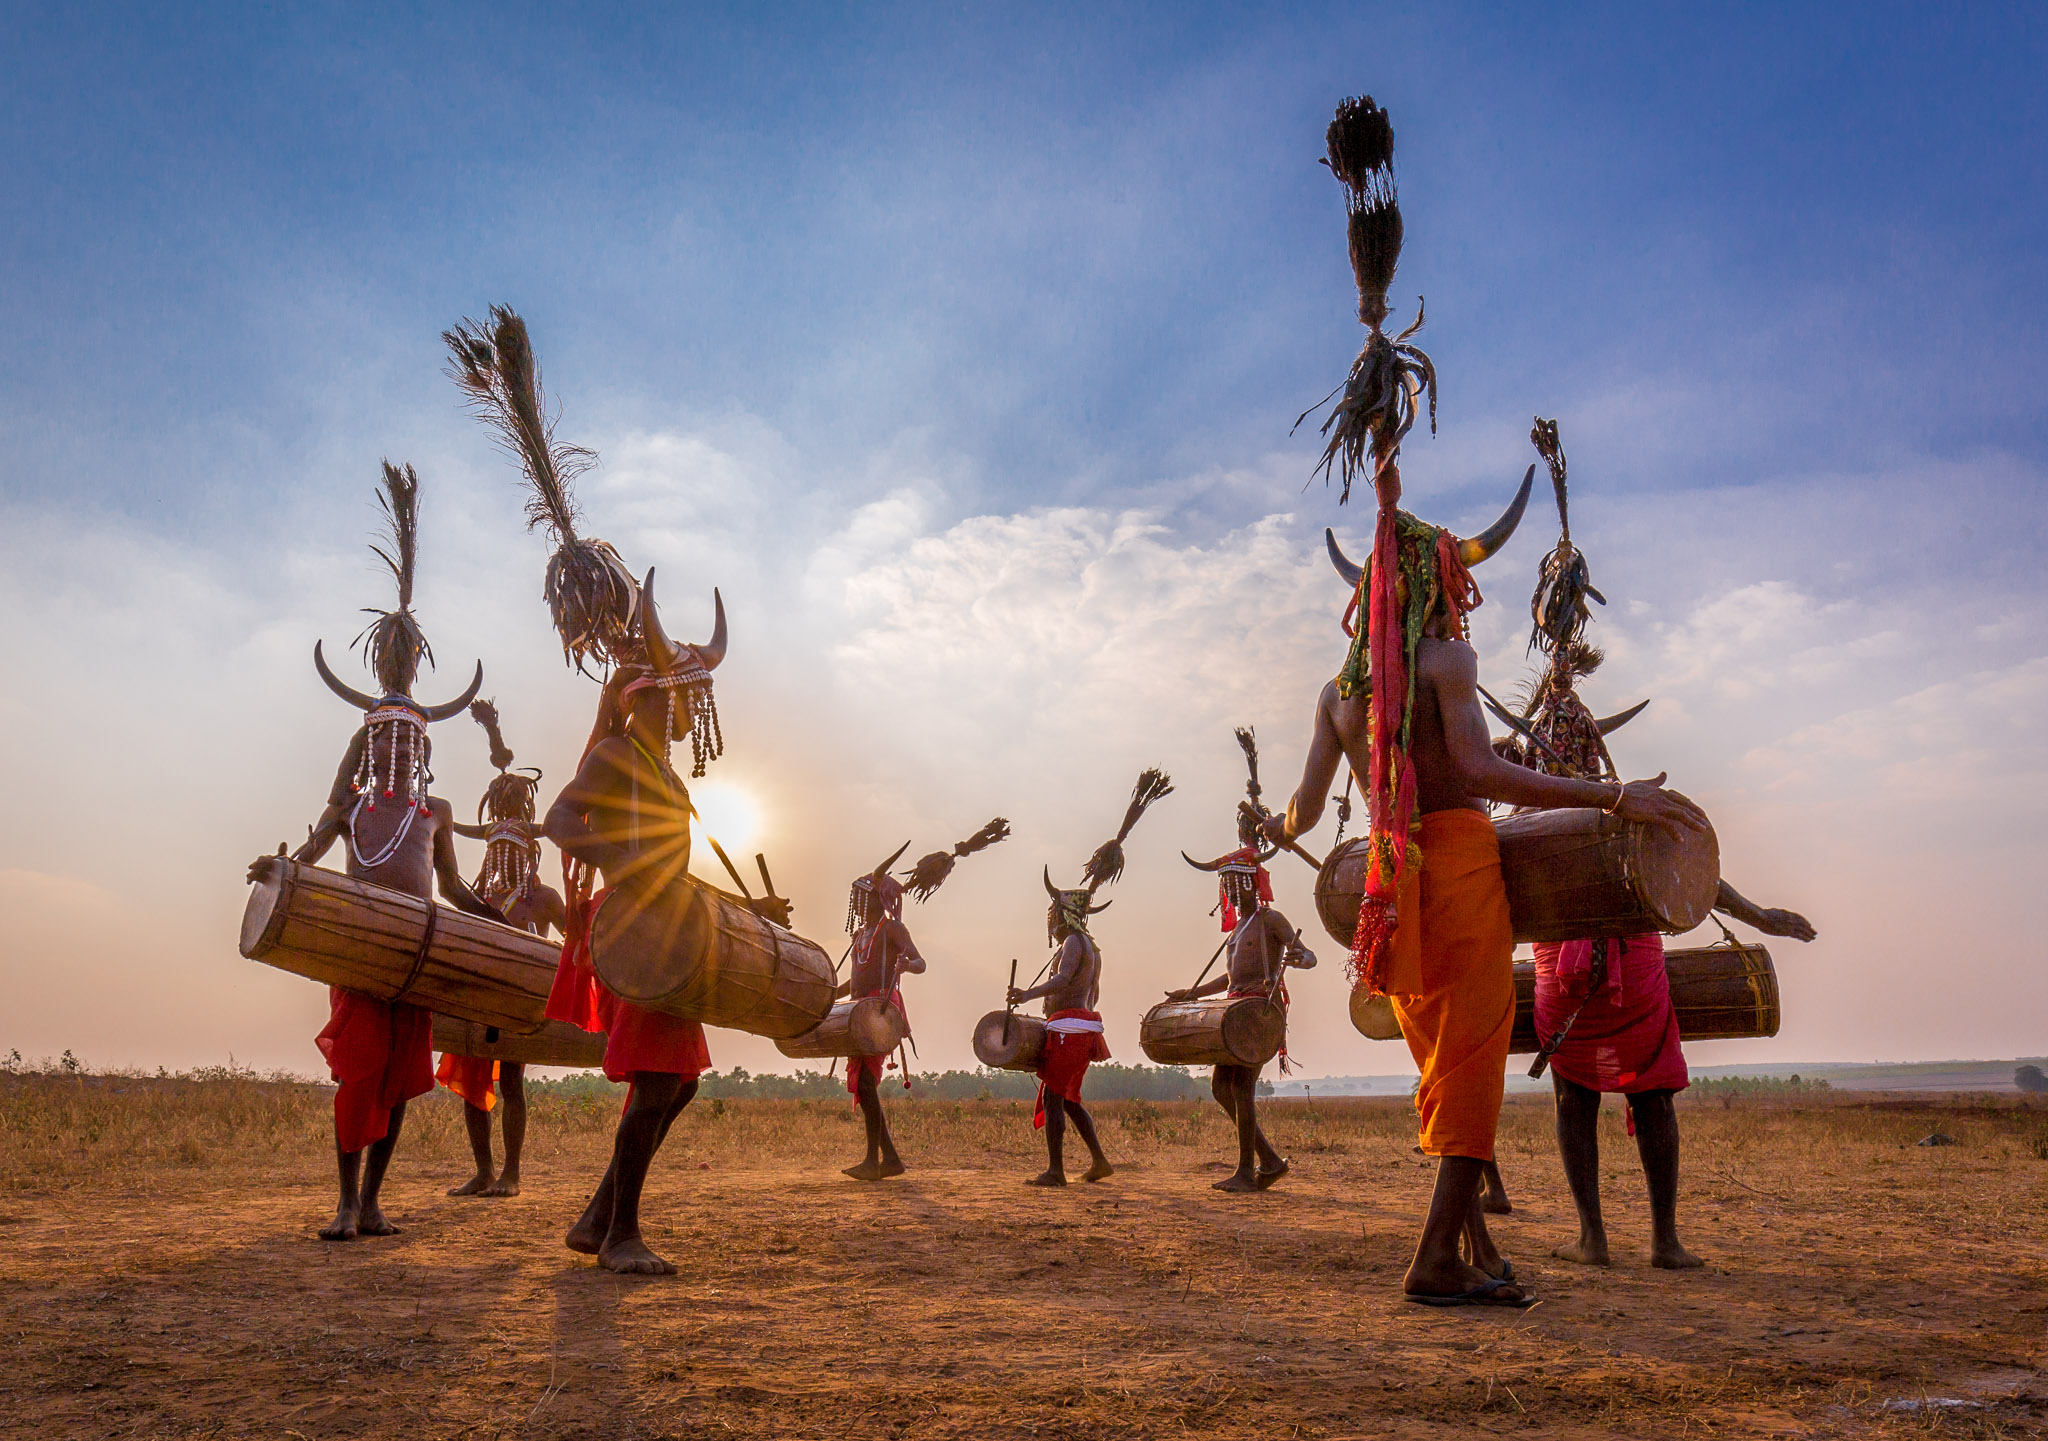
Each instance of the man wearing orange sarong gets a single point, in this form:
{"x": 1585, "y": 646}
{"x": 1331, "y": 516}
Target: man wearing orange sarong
{"x": 1437, "y": 940}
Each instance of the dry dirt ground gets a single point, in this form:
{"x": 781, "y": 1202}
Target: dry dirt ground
{"x": 159, "y": 1276}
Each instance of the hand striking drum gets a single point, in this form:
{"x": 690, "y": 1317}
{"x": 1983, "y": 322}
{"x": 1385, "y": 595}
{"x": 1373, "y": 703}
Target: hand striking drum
{"x": 1433, "y": 931}
{"x": 1072, "y": 1036}
{"x": 398, "y": 836}
{"x": 486, "y": 1076}
{"x": 1261, "y": 946}
{"x": 626, "y": 814}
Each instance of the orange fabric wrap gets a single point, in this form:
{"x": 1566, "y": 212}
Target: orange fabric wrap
{"x": 1451, "y": 980}
{"x": 470, "y": 1077}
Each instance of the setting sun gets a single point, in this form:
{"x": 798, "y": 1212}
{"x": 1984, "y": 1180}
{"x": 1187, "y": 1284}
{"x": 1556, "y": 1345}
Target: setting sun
{"x": 728, "y": 813}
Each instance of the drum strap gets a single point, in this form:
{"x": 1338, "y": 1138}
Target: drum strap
{"x": 419, "y": 959}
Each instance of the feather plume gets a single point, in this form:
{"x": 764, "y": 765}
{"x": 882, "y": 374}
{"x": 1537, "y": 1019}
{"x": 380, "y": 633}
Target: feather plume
{"x": 590, "y": 592}
{"x": 1360, "y": 142}
{"x": 394, "y": 643}
{"x": 485, "y": 714}
{"x": 1248, "y": 742}
{"x": 1107, "y": 864}
{"x": 1564, "y": 582}
{"x": 931, "y": 871}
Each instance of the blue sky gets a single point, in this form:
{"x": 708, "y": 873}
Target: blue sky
{"x": 865, "y": 309}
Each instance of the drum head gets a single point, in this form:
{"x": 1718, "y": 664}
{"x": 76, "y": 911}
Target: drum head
{"x": 647, "y": 945}
{"x": 1677, "y": 877}
{"x": 264, "y": 914}
{"x": 1373, "y": 1017}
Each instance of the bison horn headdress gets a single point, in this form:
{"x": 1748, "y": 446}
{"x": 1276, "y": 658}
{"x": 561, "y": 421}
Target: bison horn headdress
{"x": 394, "y": 645}
{"x": 1419, "y": 577}
{"x": 1070, "y": 909}
{"x": 505, "y": 815}
{"x": 1555, "y": 732}
{"x": 598, "y": 610}
{"x": 1242, "y": 882}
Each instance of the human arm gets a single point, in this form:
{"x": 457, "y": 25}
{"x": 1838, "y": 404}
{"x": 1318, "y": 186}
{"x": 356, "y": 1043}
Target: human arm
{"x": 1073, "y": 954}
{"x": 595, "y": 783}
{"x": 1195, "y": 993}
{"x": 1325, "y": 754}
{"x": 1453, "y": 671}
{"x": 908, "y": 961}
{"x": 1731, "y": 902}
{"x": 454, "y": 889}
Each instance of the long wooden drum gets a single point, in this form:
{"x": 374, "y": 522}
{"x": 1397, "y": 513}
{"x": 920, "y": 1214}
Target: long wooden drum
{"x": 557, "y": 1043}
{"x": 330, "y": 927}
{"x": 1214, "y": 1031}
{"x": 1570, "y": 874}
{"x": 690, "y": 950}
{"x": 869, "y": 1026}
{"x": 1721, "y": 993}
{"x": 1006, "y": 1041}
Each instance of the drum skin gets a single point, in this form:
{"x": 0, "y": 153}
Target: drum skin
{"x": 689, "y": 950}
{"x": 870, "y": 1026}
{"x": 1214, "y": 1031}
{"x": 555, "y": 1044}
{"x": 1006, "y": 1041}
{"x": 1570, "y": 874}
{"x": 1372, "y": 1016}
{"x": 1721, "y": 993}
{"x": 341, "y": 931}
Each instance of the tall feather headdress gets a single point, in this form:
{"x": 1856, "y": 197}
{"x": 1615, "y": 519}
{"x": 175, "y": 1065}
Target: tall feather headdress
{"x": 931, "y": 871}
{"x": 1557, "y": 611}
{"x": 590, "y": 593}
{"x": 393, "y": 644}
{"x": 1107, "y": 864}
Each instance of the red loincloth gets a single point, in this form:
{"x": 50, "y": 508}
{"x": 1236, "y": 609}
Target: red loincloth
{"x": 380, "y": 1055}
{"x": 470, "y": 1077}
{"x": 636, "y": 1039}
{"x": 874, "y": 1065}
{"x": 1626, "y": 1038}
{"x": 1067, "y": 1057}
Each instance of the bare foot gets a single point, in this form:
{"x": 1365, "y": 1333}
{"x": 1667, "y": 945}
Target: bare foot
{"x": 865, "y": 1171}
{"x": 1049, "y": 1178}
{"x": 342, "y": 1227}
{"x": 1100, "y": 1171}
{"x": 1268, "y": 1176}
{"x": 629, "y": 1256}
{"x": 1494, "y": 1205}
{"x": 372, "y": 1223}
{"x": 1674, "y": 1257}
{"x": 1585, "y": 1252}
{"x": 503, "y": 1186}
{"x": 585, "y": 1238}
{"x": 1238, "y": 1183}
{"x": 893, "y": 1166}
{"x": 474, "y": 1186}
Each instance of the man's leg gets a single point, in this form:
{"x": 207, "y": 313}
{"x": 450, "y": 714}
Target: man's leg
{"x": 343, "y": 1226}
{"x": 656, "y": 1101}
{"x": 587, "y": 1236}
{"x": 1272, "y": 1165}
{"x": 1657, "y": 1143}
{"x": 1495, "y": 1201}
{"x": 477, "y": 1121}
{"x": 1578, "y": 1143}
{"x": 370, "y": 1221}
{"x": 1055, "y": 1173}
{"x": 512, "y": 1106}
{"x": 1438, "y": 1269}
{"x": 1099, "y": 1168}
{"x": 1232, "y": 1095}
{"x": 881, "y": 1158}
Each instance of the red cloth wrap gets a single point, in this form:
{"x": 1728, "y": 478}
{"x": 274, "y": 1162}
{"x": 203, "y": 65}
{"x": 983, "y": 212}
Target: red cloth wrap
{"x": 1068, "y": 1054}
{"x": 1626, "y": 1038}
{"x": 856, "y": 1066}
{"x": 381, "y": 1054}
{"x": 636, "y": 1039}
{"x": 470, "y": 1077}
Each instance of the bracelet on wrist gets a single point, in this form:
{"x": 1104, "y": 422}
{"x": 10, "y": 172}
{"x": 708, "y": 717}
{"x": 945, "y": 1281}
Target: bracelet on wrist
{"x": 1620, "y": 795}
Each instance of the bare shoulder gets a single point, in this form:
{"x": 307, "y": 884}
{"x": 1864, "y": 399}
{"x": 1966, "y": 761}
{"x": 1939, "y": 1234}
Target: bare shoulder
{"x": 1446, "y": 661}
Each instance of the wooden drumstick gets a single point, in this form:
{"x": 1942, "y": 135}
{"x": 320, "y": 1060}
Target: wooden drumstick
{"x": 1253, "y": 812}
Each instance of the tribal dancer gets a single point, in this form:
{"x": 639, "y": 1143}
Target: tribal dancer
{"x": 380, "y": 1053}
{"x": 626, "y": 815}
{"x": 509, "y": 880}
{"x": 1433, "y": 931}
{"x": 1262, "y": 945}
{"x": 1073, "y": 1027}
{"x": 883, "y": 953}
{"x": 1611, "y": 999}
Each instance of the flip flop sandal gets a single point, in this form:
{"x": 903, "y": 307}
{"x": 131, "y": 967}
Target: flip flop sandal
{"x": 1480, "y": 1295}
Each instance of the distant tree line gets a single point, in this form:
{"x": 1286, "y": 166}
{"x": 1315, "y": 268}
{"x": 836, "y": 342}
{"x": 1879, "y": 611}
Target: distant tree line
{"x": 1107, "y": 1081}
